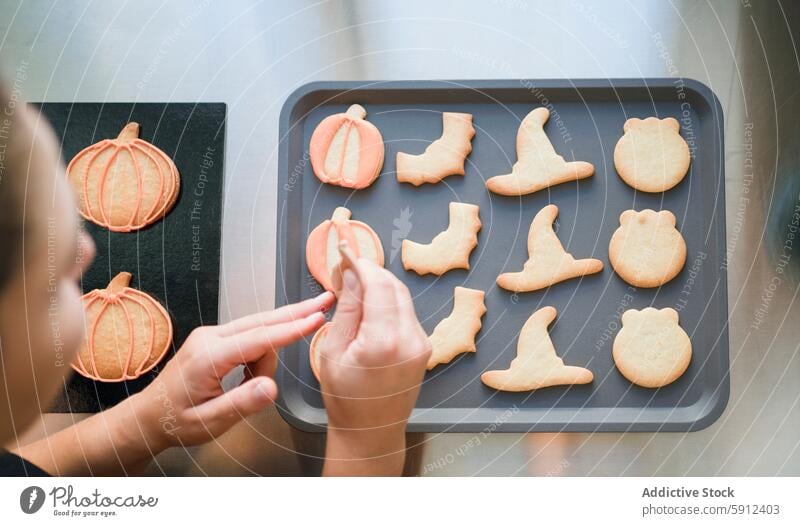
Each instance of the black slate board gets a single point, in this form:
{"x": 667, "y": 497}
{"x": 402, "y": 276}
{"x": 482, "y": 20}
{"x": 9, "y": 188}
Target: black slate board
{"x": 586, "y": 121}
{"x": 175, "y": 260}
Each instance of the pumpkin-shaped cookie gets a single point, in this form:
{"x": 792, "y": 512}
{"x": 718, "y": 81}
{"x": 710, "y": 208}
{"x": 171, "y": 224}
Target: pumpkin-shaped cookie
{"x": 124, "y": 184}
{"x": 314, "y": 351}
{"x": 322, "y": 247}
{"x": 647, "y": 250}
{"x": 127, "y": 333}
{"x": 651, "y": 349}
{"x": 347, "y": 150}
{"x": 652, "y": 156}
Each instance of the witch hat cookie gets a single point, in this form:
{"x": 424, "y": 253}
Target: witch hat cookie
{"x": 538, "y": 165}
{"x": 548, "y": 263}
{"x": 536, "y": 364}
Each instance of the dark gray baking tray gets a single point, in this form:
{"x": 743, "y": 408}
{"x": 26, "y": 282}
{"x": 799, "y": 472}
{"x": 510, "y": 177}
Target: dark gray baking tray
{"x": 585, "y": 124}
{"x": 175, "y": 260}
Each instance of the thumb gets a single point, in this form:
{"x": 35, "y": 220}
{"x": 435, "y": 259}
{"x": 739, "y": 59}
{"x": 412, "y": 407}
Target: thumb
{"x": 347, "y": 318}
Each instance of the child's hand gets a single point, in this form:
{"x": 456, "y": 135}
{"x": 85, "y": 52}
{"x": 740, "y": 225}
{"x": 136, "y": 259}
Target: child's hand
{"x": 186, "y": 404}
{"x": 373, "y": 362}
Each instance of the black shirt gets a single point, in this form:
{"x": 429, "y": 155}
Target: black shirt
{"x": 12, "y": 465}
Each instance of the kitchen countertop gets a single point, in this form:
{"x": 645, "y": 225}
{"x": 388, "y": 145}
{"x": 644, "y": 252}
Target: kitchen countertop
{"x": 251, "y": 55}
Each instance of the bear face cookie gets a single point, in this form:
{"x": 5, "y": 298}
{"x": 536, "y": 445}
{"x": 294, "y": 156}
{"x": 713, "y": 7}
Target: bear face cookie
{"x": 652, "y": 156}
{"x": 651, "y": 349}
{"x": 647, "y": 250}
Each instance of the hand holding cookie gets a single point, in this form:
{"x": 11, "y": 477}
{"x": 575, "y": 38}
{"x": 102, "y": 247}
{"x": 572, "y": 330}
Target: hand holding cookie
{"x": 371, "y": 366}
{"x": 187, "y": 405}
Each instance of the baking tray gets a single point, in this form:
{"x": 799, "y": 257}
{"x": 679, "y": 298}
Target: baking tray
{"x": 175, "y": 260}
{"x": 586, "y": 121}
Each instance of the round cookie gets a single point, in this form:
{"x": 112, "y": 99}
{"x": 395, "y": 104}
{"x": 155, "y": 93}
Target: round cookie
{"x": 124, "y": 184}
{"x": 651, "y": 349}
{"x": 127, "y": 333}
{"x": 651, "y": 156}
{"x": 647, "y": 250}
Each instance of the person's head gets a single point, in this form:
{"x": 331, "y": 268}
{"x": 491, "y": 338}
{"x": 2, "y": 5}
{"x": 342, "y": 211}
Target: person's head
{"x": 43, "y": 251}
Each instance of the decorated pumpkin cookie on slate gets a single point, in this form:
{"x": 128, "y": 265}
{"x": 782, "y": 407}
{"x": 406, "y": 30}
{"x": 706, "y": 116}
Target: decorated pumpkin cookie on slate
{"x": 124, "y": 184}
{"x": 315, "y": 350}
{"x": 347, "y": 150}
{"x": 127, "y": 333}
{"x": 322, "y": 246}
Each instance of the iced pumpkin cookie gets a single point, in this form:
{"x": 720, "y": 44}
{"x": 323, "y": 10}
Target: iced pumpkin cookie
{"x": 322, "y": 246}
{"x": 124, "y": 184}
{"x": 647, "y": 250}
{"x": 346, "y": 149}
{"x": 652, "y": 156}
{"x": 456, "y": 333}
{"x": 651, "y": 349}
{"x": 444, "y": 156}
{"x": 538, "y": 165}
{"x": 450, "y": 249}
{"x": 127, "y": 333}
{"x": 315, "y": 350}
{"x": 548, "y": 263}
{"x": 536, "y": 365}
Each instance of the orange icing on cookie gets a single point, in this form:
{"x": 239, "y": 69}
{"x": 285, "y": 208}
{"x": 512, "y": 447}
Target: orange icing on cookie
{"x": 322, "y": 247}
{"x": 133, "y": 315}
{"x": 314, "y": 350}
{"x": 347, "y": 150}
{"x": 102, "y": 176}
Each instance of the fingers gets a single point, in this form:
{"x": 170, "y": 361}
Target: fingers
{"x": 380, "y": 304}
{"x": 220, "y": 413}
{"x": 252, "y": 345}
{"x": 347, "y": 318}
{"x": 320, "y": 303}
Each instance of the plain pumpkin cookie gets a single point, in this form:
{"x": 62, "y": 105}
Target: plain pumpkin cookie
{"x": 536, "y": 365}
{"x": 647, "y": 250}
{"x": 538, "y": 165}
{"x": 651, "y": 349}
{"x": 444, "y": 156}
{"x": 456, "y": 333}
{"x": 124, "y": 184}
{"x": 450, "y": 249}
{"x": 127, "y": 333}
{"x": 651, "y": 156}
{"x": 346, "y": 149}
{"x": 548, "y": 263}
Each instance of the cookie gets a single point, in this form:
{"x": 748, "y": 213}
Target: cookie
{"x": 536, "y": 365}
{"x": 315, "y": 349}
{"x": 548, "y": 263}
{"x": 346, "y": 149}
{"x": 651, "y": 155}
{"x": 538, "y": 165}
{"x": 444, "y": 156}
{"x": 456, "y": 333}
{"x": 449, "y": 249}
{"x": 651, "y": 349}
{"x": 647, "y": 250}
{"x": 127, "y": 333}
{"x": 322, "y": 246}
{"x": 124, "y": 184}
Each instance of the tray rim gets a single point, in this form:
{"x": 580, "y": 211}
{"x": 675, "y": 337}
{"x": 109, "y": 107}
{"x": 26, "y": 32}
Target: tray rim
{"x": 416, "y": 423}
